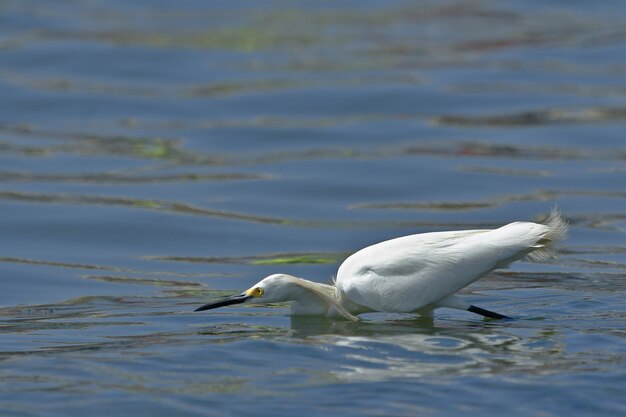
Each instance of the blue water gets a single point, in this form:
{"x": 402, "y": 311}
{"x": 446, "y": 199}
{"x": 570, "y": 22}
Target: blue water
{"x": 155, "y": 155}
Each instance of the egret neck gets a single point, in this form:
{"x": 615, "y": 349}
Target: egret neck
{"x": 307, "y": 297}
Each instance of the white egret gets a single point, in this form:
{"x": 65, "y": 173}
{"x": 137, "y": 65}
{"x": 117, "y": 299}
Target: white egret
{"x": 410, "y": 274}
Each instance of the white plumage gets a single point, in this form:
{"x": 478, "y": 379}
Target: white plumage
{"x": 411, "y": 274}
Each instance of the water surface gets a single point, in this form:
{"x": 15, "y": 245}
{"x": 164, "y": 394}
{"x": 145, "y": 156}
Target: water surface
{"x": 156, "y": 155}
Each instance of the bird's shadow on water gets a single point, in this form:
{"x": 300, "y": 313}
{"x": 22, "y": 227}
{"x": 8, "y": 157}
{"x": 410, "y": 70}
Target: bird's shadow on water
{"x": 308, "y": 326}
{"x": 370, "y": 325}
{"x": 374, "y": 326}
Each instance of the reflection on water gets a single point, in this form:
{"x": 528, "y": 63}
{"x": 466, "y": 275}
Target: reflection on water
{"x": 157, "y": 155}
{"x": 260, "y": 351}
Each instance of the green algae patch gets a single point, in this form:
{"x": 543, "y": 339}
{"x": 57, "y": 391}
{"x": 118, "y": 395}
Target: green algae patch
{"x": 300, "y": 259}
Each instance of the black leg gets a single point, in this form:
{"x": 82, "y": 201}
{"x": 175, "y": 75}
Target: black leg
{"x": 486, "y": 313}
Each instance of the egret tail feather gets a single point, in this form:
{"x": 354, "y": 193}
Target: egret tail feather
{"x": 547, "y": 247}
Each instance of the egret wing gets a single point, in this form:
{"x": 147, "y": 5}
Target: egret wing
{"x": 411, "y": 272}
{"x": 403, "y": 274}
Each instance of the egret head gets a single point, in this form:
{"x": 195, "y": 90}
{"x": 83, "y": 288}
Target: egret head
{"x": 273, "y": 289}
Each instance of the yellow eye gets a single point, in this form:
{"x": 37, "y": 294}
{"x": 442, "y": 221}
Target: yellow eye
{"x": 256, "y": 292}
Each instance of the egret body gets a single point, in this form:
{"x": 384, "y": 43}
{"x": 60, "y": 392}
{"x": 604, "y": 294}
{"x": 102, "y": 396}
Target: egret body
{"x": 411, "y": 274}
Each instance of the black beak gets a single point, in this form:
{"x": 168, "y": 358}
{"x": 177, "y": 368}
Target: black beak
{"x": 235, "y": 299}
